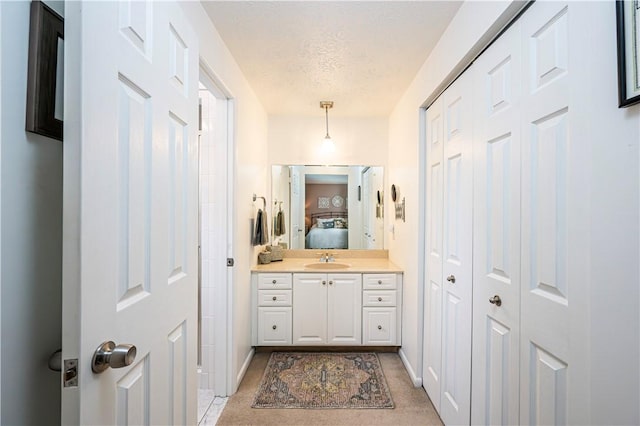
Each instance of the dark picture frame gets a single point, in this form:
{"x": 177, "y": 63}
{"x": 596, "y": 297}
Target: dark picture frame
{"x": 628, "y": 37}
{"x": 44, "y": 108}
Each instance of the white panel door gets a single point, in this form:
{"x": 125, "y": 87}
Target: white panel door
{"x": 344, "y": 309}
{"x": 432, "y": 346}
{"x": 455, "y": 404}
{"x": 554, "y": 282}
{"x": 309, "y": 309}
{"x": 131, "y": 204}
{"x": 297, "y": 207}
{"x": 496, "y": 232}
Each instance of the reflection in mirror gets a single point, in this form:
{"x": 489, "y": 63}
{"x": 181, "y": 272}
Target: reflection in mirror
{"x": 327, "y": 207}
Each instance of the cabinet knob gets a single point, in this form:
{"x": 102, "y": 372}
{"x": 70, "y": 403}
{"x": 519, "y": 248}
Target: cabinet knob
{"x": 274, "y": 298}
{"x": 274, "y": 327}
{"x": 274, "y": 281}
{"x": 330, "y": 282}
{"x": 324, "y": 282}
{"x": 495, "y": 300}
{"x": 379, "y": 281}
{"x": 379, "y": 327}
{"x": 451, "y": 279}
{"x": 379, "y": 299}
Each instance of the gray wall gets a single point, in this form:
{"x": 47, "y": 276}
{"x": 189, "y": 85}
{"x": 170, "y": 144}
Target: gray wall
{"x": 31, "y": 242}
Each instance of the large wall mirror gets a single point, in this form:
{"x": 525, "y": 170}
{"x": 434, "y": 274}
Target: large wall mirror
{"x": 327, "y": 207}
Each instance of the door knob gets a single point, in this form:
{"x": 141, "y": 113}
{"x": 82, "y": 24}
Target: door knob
{"x": 324, "y": 283}
{"x": 109, "y": 355}
{"x": 451, "y": 279}
{"x": 495, "y": 300}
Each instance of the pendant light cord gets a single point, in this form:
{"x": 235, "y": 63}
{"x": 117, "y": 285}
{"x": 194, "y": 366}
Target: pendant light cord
{"x": 326, "y": 112}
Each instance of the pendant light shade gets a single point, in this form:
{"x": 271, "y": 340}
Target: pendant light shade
{"x": 327, "y": 143}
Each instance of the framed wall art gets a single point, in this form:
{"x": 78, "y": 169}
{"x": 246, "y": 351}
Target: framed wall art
{"x": 628, "y": 35}
{"x": 45, "y": 73}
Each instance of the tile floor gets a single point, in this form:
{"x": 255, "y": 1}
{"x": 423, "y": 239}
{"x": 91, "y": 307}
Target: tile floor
{"x": 209, "y": 407}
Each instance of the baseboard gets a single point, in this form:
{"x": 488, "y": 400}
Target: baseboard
{"x": 245, "y": 367}
{"x": 417, "y": 381}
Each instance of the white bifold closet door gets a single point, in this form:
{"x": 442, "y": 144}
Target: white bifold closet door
{"x": 529, "y": 177}
{"x": 496, "y": 231}
{"x": 447, "y": 362}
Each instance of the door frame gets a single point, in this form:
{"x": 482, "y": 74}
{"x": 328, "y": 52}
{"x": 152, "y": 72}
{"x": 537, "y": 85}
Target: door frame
{"x": 224, "y": 294}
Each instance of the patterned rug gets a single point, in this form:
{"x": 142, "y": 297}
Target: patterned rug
{"x": 323, "y": 380}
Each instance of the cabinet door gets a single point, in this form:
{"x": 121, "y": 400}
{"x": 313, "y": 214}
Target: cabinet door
{"x": 344, "y": 309}
{"x": 309, "y": 309}
{"x": 379, "y": 326}
{"x": 274, "y": 326}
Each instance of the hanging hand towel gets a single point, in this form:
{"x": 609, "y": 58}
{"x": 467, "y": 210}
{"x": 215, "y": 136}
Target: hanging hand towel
{"x": 260, "y": 234}
{"x": 281, "y": 226}
{"x": 265, "y": 230}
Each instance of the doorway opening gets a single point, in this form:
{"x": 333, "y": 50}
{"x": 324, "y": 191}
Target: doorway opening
{"x": 214, "y": 241}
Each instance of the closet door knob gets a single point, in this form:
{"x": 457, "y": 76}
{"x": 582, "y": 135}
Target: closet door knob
{"x": 324, "y": 283}
{"x": 274, "y": 298}
{"x": 274, "y": 327}
{"x": 451, "y": 279}
{"x": 330, "y": 282}
{"x": 495, "y": 300}
{"x": 379, "y": 327}
{"x": 379, "y": 299}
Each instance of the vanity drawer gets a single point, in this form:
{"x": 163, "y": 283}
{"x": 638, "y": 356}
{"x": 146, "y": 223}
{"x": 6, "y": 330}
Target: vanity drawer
{"x": 379, "y": 281}
{"x": 274, "y": 326}
{"x": 274, "y": 281}
{"x": 274, "y": 297}
{"x": 378, "y": 298}
{"x": 379, "y": 326}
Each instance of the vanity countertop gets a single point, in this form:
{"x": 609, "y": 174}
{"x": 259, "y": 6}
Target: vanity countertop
{"x": 360, "y": 265}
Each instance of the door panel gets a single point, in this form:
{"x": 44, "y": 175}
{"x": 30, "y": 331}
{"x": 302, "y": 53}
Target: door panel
{"x": 344, "y": 311}
{"x": 457, "y": 248}
{"x": 547, "y": 170}
{"x": 496, "y": 231}
{"x": 309, "y": 309}
{"x": 131, "y": 207}
{"x": 432, "y": 349}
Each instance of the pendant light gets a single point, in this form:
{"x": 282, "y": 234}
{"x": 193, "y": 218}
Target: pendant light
{"x": 327, "y": 144}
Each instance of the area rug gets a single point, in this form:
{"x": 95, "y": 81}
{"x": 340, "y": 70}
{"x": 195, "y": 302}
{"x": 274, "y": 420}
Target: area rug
{"x": 323, "y": 380}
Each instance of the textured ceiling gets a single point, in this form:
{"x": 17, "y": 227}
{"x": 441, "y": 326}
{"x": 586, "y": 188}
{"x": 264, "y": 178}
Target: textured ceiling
{"x": 361, "y": 55}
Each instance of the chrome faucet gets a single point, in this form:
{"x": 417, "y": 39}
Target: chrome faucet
{"x": 326, "y": 257}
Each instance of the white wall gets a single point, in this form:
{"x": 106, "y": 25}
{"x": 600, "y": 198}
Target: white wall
{"x": 614, "y": 178}
{"x": 297, "y": 140}
{"x": 466, "y": 33}
{"x": 251, "y": 172}
{"x": 31, "y": 242}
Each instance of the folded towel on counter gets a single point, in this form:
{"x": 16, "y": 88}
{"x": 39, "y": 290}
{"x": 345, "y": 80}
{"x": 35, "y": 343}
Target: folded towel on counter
{"x": 261, "y": 232}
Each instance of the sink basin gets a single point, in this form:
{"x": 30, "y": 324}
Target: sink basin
{"x": 326, "y": 265}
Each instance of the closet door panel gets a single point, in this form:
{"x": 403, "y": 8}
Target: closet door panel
{"x": 553, "y": 301}
{"x": 496, "y": 229}
{"x": 432, "y": 350}
{"x": 457, "y": 251}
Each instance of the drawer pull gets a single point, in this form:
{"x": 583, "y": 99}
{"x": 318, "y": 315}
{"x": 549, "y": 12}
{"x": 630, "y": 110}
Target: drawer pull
{"x": 379, "y": 299}
{"x": 274, "y": 281}
{"x": 379, "y": 327}
{"x": 330, "y": 282}
{"x": 379, "y": 281}
{"x": 274, "y": 327}
{"x": 274, "y": 298}
{"x": 324, "y": 283}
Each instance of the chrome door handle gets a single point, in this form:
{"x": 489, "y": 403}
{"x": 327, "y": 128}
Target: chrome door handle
{"x": 109, "y": 355}
{"x": 495, "y": 300}
{"x": 451, "y": 279}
